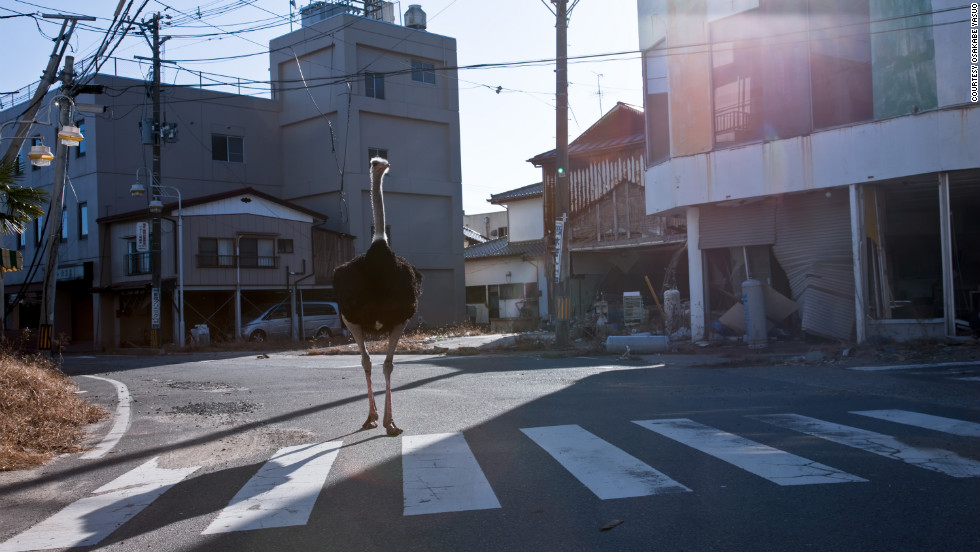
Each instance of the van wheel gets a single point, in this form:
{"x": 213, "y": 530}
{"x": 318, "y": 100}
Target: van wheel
{"x": 323, "y": 333}
{"x": 258, "y": 336}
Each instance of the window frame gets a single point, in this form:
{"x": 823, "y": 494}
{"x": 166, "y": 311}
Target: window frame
{"x": 229, "y": 154}
{"x": 374, "y": 85}
{"x": 80, "y": 150}
{"x": 64, "y": 224}
{"x": 424, "y": 72}
{"x": 216, "y": 259}
{"x": 137, "y": 262}
{"x": 257, "y": 260}
{"x": 83, "y": 220}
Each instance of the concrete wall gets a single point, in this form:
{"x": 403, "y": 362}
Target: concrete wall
{"x": 416, "y": 122}
{"x": 526, "y": 219}
{"x": 493, "y": 271}
{"x": 944, "y": 140}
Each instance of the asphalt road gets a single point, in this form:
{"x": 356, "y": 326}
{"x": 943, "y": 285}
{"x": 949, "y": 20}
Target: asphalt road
{"x": 510, "y": 452}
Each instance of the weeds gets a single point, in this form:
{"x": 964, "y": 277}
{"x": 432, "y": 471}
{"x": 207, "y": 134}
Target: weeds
{"x": 41, "y": 414}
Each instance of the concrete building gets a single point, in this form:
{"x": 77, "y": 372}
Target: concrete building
{"x": 490, "y": 225}
{"x": 387, "y": 91}
{"x": 827, "y": 148}
{"x": 384, "y": 89}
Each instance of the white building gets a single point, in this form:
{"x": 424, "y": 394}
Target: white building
{"x": 829, "y": 148}
{"x": 505, "y": 277}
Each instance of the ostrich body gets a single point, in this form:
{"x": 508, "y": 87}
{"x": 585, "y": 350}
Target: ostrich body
{"x": 377, "y": 291}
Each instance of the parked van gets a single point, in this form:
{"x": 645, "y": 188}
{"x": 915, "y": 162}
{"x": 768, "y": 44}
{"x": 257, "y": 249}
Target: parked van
{"x": 320, "y": 319}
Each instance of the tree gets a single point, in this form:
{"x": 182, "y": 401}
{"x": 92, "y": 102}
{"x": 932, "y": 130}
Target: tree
{"x": 19, "y": 205}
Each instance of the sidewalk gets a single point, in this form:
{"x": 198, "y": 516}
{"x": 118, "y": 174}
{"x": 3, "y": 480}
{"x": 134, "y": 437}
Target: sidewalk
{"x": 684, "y": 353}
{"x": 688, "y": 354}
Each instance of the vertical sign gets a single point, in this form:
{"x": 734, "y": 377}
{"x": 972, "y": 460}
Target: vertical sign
{"x": 155, "y": 309}
{"x": 142, "y": 237}
{"x": 559, "y": 232}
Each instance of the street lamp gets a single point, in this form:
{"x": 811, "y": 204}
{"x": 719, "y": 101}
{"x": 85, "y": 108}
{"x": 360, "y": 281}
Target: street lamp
{"x": 156, "y": 207}
{"x": 40, "y": 155}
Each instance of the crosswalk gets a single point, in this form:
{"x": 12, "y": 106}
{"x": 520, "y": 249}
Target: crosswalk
{"x": 441, "y": 473}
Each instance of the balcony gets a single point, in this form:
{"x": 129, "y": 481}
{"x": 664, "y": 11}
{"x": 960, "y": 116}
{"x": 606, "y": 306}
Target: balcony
{"x": 243, "y": 261}
{"x": 137, "y": 263}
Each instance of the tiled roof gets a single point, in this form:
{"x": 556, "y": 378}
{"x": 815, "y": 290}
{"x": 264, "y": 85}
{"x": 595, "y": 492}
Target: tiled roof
{"x": 525, "y": 192}
{"x": 503, "y": 248}
{"x": 472, "y": 234}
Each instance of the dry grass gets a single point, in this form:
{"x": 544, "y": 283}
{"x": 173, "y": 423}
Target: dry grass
{"x": 41, "y": 414}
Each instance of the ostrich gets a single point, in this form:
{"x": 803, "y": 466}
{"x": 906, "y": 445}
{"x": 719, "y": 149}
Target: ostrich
{"x": 377, "y": 291}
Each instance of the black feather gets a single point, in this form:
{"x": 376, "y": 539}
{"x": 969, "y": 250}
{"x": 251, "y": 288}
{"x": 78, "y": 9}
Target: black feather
{"x": 377, "y": 290}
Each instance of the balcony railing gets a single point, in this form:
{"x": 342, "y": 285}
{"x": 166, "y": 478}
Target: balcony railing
{"x": 137, "y": 263}
{"x": 228, "y": 261}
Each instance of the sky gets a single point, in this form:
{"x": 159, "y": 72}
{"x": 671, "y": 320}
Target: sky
{"x": 499, "y": 132}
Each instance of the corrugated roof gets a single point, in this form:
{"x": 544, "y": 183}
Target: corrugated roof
{"x": 502, "y": 247}
{"x": 524, "y": 192}
{"x": 621, "y": 126}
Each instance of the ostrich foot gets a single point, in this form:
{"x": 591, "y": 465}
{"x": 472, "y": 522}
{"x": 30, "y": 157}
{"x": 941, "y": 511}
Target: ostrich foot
{"x": 392, "y": 429}
{"x": 372, "y": 421}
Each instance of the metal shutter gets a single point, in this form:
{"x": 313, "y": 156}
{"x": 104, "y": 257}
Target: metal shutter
{"x": 742, "y": 225}
{"x": 813, "y": 247}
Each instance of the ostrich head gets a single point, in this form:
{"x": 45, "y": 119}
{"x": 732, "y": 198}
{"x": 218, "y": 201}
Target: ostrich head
{"x": 379, "y": 167}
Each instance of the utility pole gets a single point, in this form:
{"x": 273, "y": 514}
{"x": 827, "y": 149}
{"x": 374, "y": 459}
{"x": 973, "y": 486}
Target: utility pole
{"x": 155, "y": 204}
{"x": 65, "y": 104}
{"x": 562, "y": 299}
{"x": 47, "y": 79}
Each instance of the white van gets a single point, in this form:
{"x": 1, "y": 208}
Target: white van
{"x": 320, "y": 319}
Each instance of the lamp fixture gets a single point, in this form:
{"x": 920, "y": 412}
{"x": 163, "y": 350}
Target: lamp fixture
{"x": 156, "y": 206}
{"x": 40, "y": 156}
{"x": 70, "y": 135}
{"x": 137, "y": 190}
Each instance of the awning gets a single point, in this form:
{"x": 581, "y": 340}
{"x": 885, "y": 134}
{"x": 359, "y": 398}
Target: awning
{"x": 11, "y": 260}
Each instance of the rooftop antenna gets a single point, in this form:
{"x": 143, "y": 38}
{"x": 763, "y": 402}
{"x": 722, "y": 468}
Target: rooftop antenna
{"x": 598, "y": 83}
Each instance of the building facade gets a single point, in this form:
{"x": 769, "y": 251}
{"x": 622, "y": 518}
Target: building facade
{"x": 352, "y": 88}
{"x": 615, "y": 247}
{"x": 827, "y": 148}
{"x": 272, "y": 151}
{"x": 506, "y": 282}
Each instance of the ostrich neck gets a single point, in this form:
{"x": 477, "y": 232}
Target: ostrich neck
{"x": 378, "y": 205}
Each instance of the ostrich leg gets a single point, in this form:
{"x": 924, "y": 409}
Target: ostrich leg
{"x": 358, "y": 333}
{"x": 389, "y": 366}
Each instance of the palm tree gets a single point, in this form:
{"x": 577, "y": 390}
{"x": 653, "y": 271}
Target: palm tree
{"x": 19, "y": 205}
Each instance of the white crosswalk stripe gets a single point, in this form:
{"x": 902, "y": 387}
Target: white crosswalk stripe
{"x": 282, "y": 492}
{"x": 927, "y": 421}
{"x": 938, "y": 460}
{"x": 441, "y": 474}
{"x": 606, "y": 470}
{"x": 91, "y": 519}
{"x": 777, "y": 466}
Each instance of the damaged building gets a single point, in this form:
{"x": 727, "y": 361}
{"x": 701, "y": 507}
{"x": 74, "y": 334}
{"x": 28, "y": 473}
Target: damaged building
{"x": 615, "y": 247}
{"x": 826, "y": 148}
